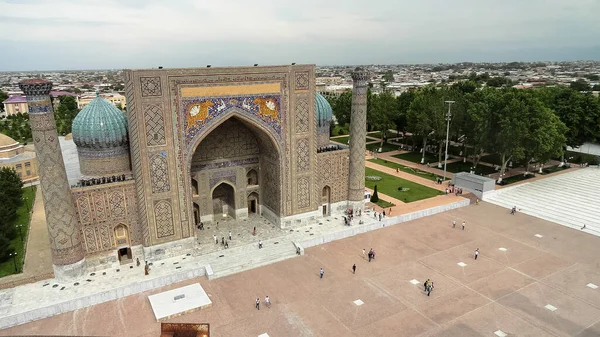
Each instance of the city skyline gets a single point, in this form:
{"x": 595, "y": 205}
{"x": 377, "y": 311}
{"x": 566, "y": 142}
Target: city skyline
{"x": 70, "y": 35}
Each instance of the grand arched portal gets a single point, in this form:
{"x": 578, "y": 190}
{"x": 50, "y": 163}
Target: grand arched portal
{"x": 237, "y": 159}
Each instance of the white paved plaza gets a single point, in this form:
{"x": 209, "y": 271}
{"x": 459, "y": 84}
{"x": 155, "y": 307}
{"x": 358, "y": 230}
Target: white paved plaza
{"x": 571, "y": 199}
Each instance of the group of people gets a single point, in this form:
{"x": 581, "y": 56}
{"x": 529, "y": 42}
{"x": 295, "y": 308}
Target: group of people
{"x": 454, "y": 224}
{"x": 224, "y": 242}
{"x": 513, "y": 210}
{"x": 371, "y": 254}
{"x": 382, "y": 214}
{"x": 267, "y": 303}
{"x": 453, "y": 189}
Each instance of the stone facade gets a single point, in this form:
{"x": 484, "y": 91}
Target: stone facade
{"x": 197, "y": 132}
{"x": 108, "y": 216}
{"x": 63, "y": 228}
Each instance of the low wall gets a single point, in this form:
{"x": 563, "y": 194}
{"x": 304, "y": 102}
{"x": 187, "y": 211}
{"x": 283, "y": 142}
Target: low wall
{"x": 100, "y": 297}
{"x": 388, "y": 221}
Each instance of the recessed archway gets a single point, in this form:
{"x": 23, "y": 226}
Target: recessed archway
{"x": 223, "y": 200}
{"x": 242, "y": 154}
{"x": 253, "y": 203}
{"x": 326, "y": 200}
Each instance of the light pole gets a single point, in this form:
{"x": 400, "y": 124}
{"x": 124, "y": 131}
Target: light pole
{"x": 14, "y": 256}
{"x": 20, "y": 231}
{"x": 26, "y": 204}
{"x": 448, "y": 118}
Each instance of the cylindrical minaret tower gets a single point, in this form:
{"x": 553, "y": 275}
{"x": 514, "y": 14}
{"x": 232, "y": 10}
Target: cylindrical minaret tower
{"x": 358, "y": 134}
{"x": 65, "y": 235}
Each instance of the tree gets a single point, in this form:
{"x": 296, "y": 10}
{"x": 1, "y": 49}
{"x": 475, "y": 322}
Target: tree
{"x": 342, "y": 106}
{"x": 11, "y": 194}
{"x": 374, "y": 197}
{"x": 402, "y": 105}
{"x": 580, "y": 85}
{"x": 580, "y": 112}
{"x": 388, "y": 77}
{"x": 66, "y": 112}
{"x": 498, "y": 82}
{"x": 379, "y": 116}
{"x": 3, "y": 97}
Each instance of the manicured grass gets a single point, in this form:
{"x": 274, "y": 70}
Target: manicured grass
{"x": 552, "y": 169}
{"x": 389, "y": 185}
{"x": 415, "y": 157}
{"x": 516, "y": 178}
{"x": 385, "y": 148}
{"x": 8, "y": 267}
{"x": 384, "y": 204}
{"x": 466, "y": 167}
{"x": 416, "y": 172}
{"x": 377, "y": 134}
{"x": 343, "y": 139}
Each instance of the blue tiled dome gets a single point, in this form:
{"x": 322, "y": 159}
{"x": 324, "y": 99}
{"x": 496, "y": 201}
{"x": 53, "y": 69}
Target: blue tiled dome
{"x": 100, "y": 125}
{"x": 324, "y": 112}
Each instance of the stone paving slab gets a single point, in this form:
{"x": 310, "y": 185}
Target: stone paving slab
{"x": 509, "y": 300}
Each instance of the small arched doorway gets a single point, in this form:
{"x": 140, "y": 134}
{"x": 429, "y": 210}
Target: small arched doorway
{"x": 326, "y": 200}
{"x": 194, "y": 187}
{"x": 196, "y": 214}
{"x": 223, "y": 197}
{"x": 252, "y": 177}
{"x": 253, "y": 203}
{"x": 121, "y": 235}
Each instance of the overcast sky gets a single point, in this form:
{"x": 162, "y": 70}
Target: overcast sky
{"x": 98, "y": 34}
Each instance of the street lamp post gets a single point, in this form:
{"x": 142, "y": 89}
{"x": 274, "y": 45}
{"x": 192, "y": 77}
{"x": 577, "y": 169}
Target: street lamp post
{"x": 448, "y": 118}
{"x": 26, "y": 204}
{"x": 20, "y": 231}
{"x": 14, "y": 256}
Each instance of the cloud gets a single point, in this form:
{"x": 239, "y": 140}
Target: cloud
{"x": 131, "y": 33}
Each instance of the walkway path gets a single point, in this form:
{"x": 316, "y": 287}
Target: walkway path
{"x": 38, "y": 259}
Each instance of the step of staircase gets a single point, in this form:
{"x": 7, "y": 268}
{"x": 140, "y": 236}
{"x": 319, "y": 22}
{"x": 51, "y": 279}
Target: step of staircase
{"x": 251, "y": 257}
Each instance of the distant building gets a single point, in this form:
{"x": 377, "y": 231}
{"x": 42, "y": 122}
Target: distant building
{"x": 115, "y": 98}
{"x": 15, "y": 156}
{"x": 18, "y": 104}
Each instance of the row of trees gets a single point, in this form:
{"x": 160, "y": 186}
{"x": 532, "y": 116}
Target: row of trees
{"x": 11, "y": 198}
{"x": 17, "y": 126}
{"x": 517, "y": 125}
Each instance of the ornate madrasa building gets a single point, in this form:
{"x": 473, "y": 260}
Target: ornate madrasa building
{"x": 195, "y": 145}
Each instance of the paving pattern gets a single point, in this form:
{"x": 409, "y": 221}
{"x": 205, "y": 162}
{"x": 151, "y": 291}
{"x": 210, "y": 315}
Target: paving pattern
{"x": 533, "y": 286}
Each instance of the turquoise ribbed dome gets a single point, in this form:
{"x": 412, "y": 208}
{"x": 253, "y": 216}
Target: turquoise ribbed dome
{"x": 100, "y": 125}
{"x": 324, "y": 112}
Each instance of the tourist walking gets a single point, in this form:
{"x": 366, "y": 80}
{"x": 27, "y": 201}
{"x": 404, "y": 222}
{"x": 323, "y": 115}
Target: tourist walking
{"x": 364, "y": 254}
{"x": 216, "y": 240}
{"x": 463, "y": 226}
{"x": 513, "y": 210}
{"x": 137, "y": 262}
{"x": 429, "y": 288}
{"x": 258, "y": 303}
{"x": 229, "y": 235}
{"x": 354, "y": 268}
{"x": 476, "y": 253}
{"x": 147, "y": 269}
{"x": 321, "y": 272}
{"x": 425, "y": 285}
{"x": 453, "y": 223}
{"x": 267, "y": 302}
{"x": 259, "y": 244}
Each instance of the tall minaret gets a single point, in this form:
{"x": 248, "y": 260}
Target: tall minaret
{"x": 65, "y": 236}
{"x": 358, "y": 133}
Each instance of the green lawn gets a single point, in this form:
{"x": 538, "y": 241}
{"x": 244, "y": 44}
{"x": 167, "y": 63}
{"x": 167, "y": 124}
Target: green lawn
{"x": 389, "y": 185}
{"x": 385, "y": 148}
{"x": 466, "y": 167}
{"x": 384, "y": 204}
{"x": 377, "y": 134}
{"x": 552, "y": 169}
{"x": 516, "y": 178}
{"x": 415, "y": 157}
{"x": 8, "y": 267}
{"x": 416, "y": 172}
{"x": 343, "y": 139}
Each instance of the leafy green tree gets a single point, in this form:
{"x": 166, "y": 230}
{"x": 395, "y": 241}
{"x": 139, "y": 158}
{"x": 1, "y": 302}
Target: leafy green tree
{"x": 402, "y": 105}
{"x": 16, "y": 127}
{"x": 578, "y": 111}
{"x": 499, "y": 82}
{"x": 374, "y": 197}
{"x": 341, "y": 107}
{"x": 11, "y": 194}
{"x": 580, "y": 85}
{"x": 388, "y": 77}
{"x": 466, "y": 87}
{"x": 3, "y": 97}
{"x": 380, "y": 115}
{"x": 66, "y": 112}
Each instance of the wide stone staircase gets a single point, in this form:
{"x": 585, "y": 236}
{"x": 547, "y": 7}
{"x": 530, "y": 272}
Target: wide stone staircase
{"x": 231, "y": 261}
{"x": 571, "y": 199}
